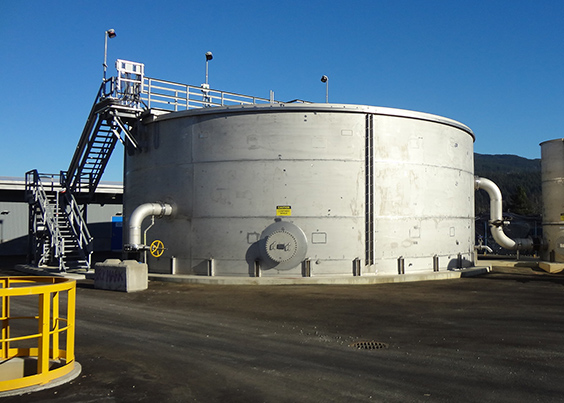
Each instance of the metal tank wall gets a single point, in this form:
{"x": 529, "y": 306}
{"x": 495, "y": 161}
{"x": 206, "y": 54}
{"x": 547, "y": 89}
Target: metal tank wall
{"x": 424, "y": 197}
{"x": 305, "y": 189}
{"x": 552, "y": 174}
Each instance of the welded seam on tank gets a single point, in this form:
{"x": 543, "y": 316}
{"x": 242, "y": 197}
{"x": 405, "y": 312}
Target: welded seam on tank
{"x": 403, "y": 163}
{"x": 375, "y": 162}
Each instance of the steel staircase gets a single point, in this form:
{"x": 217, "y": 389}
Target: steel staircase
{"x": 105, "y": 126}
{"x": 58, "y": 234}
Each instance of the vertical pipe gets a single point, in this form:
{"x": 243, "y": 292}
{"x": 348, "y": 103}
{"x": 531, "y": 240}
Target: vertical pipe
{"x": 436, "y": 263}
{"x": 459, "y": 261}
{"x": 173, "y": 265}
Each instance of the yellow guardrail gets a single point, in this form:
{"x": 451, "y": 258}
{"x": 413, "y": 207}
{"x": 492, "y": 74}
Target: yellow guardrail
{"x": 50, "y": 342}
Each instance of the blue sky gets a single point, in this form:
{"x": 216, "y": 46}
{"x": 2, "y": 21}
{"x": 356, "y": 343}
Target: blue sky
{"x": 496, "y": 65}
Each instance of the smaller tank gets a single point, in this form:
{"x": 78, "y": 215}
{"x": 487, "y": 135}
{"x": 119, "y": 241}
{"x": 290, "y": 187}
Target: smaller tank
{"x": 552, "y": 165}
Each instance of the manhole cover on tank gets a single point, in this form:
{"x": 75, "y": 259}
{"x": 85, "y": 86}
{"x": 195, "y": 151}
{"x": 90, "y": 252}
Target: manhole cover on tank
{"x": 282, "y": 246}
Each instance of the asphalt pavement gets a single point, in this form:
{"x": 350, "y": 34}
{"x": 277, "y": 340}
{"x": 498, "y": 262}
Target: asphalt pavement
{"x": 497, "y": 337}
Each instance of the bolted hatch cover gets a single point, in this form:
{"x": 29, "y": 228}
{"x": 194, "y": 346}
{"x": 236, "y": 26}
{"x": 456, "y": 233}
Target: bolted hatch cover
{"x": 283, "y": 245}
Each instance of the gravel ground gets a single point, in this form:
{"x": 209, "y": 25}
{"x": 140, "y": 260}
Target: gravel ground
{"x": 496, "y": 337}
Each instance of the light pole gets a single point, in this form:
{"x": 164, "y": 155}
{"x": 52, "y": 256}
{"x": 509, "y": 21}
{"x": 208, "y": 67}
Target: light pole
{"x": 325, "y": 79}
{"x": 209, "y": 56}
{"x": 110, "y": 33}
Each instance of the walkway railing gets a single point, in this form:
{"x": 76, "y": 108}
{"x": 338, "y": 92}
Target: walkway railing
{"x": 167, "y": 95}
{"x": 152, "y": 93}
{"x": 47, "y": 337}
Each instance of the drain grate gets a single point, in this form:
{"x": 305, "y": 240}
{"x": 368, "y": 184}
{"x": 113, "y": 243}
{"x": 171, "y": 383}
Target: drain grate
{"x": 368, "y": 345}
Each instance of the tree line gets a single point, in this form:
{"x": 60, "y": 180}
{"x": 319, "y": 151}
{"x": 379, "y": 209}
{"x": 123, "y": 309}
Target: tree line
{"x": 518, "y": 178}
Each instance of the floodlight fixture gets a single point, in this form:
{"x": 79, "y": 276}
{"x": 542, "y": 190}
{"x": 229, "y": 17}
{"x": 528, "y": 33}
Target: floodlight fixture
{"x": 209, "y": 56}
{"x": 110, "y": 33}
{"x": 325, "y": 79}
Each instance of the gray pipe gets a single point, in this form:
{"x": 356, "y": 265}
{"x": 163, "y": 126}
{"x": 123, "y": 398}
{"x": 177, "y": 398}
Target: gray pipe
{"x": 496, "y": 217}
{"x": 139, "y": 214}
{"x": 486, "y": 247}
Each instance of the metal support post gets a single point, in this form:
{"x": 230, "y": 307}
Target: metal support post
{"x": 356, "y": 267}
{"x": 257, "y": 268}
{"x": 401, "y": 265}
{"x": 306, "y": 268}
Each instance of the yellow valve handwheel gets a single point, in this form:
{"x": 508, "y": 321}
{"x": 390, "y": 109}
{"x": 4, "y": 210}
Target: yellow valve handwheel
{"x": 157, "y": 248}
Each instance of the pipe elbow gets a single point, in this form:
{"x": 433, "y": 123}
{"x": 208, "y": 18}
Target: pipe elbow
{"x": 496, "y": 217}
{"x": 143, "y": 211}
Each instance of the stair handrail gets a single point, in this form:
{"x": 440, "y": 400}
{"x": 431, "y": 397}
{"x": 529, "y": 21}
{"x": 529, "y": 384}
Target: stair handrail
{"x": 36, "y": 193}
{"x": 77, "y": 222}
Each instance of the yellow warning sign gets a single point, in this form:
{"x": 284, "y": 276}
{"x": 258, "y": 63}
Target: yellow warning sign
{"x": 284, "y": 210}
{"x": 562, "y": 217}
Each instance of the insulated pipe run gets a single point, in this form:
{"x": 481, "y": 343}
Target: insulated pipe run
{"x": 139, "y": 214}
{"x": 496, "y": 217}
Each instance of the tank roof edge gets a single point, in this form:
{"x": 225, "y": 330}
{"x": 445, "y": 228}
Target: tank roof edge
{"x": 320, "y": 107}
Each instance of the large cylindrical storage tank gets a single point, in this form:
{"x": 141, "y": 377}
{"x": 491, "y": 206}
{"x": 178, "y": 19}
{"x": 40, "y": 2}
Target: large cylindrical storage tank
{"x": 305, "y": 189}
{"x": 552, "y": 174}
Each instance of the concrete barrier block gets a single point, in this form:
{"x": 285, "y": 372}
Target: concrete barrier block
{"x": 551, "y": 267}
{"x": 117, "y": 275}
